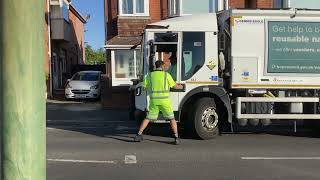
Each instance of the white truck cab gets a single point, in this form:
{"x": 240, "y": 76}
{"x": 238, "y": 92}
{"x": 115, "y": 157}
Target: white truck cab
{"x": 249, "y": 65}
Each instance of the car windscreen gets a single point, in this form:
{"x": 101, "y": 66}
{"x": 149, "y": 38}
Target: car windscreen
{"x": 86, "y": 77}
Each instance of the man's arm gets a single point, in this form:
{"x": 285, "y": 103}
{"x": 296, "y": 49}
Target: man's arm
{"x": 173, "y": 84}
{"x": 178, "y": 86}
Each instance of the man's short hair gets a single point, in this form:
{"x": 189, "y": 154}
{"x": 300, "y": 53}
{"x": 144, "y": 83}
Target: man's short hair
{"x": 159, "y": 63}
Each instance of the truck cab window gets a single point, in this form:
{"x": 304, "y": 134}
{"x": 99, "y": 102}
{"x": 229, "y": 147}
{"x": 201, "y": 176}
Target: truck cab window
{"x": 193, "y": 53}
{"x": 166, "y": 47}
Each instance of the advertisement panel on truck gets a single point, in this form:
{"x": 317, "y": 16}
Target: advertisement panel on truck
{"x": 293, "y": 47}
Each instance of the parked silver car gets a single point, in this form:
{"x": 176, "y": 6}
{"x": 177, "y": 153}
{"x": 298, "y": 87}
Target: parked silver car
{"x": 83, "y": 85}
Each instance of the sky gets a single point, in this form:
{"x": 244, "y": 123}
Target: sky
{"x": 94, "y": 35}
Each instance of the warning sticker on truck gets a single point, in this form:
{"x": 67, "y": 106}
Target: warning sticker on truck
{"x": 293, "y": 47}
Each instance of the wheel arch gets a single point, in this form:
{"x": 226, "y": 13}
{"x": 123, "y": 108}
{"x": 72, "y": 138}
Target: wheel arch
{"x": 220, "y": 95}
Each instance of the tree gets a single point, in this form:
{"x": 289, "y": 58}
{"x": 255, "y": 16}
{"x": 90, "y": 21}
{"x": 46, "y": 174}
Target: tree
{"x": 95, "y": 56}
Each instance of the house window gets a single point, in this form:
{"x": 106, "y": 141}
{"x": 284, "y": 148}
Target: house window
{"x": 174, "y": 7}
{"x": 125, "y": 64}
{"x": 203, "y": 6}
{"x": 309, "y": 4}
{"x": 278, "y": 3}
{"x": 134, "y": 7}
{"x": 187, "y": 7}
{"x": 139, "y": 6}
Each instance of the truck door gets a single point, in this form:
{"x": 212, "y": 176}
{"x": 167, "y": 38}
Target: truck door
{"x": 167, "y": 50}
{"x": 160, "y": 46}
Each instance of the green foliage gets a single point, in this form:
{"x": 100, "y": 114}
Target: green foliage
{"x": 95, "y": 56}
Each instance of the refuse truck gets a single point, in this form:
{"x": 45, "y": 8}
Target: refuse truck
{"x": 238, "y": 67}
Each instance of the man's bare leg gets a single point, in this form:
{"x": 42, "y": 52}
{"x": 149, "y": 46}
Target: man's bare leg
{"x": 174, "y": 128}
{"x": 143, "y": 126}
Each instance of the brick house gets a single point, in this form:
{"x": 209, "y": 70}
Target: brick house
{"x": 64, "y": 34}
{"x": 124, "y": 24}
{"x": 124, "y": 27}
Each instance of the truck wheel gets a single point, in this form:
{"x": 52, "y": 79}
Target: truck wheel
{"x": 204, "y": 119}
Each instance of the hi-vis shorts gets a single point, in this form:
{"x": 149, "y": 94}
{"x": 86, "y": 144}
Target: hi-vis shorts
{"x": 165, "y": 109}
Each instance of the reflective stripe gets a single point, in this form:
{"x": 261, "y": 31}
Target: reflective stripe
{"x": 161, "y": 97}
{"x": 171, "y": 117}
{"x": 165, "y": 81}
{"x": 150, "y": 82}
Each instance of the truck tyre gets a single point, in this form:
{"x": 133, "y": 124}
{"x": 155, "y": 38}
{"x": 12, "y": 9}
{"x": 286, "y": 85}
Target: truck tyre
{"x": 203, "y": 121}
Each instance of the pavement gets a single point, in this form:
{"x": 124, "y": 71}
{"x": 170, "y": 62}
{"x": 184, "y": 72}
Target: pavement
{"x": 85, "y": 141}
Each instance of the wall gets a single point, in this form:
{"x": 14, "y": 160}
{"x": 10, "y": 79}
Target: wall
{"x": 236, "y": 3}
{"x": 130, "y": 25}
{"x": 111, "y": 14}
{"x": 257, "y": 3}
{"x": 164, "y": 9}
{"x": 76, "y": 45}
{"x": 264, "y": 3}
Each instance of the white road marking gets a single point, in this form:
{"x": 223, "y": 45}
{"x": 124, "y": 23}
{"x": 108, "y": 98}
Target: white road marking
{"x": 130, "y": 159}
{"x": 280, "y": 158}
{"x": 82, "y": 161}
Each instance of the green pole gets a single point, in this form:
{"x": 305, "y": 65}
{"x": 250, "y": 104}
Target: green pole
{"x": 22, "y": 80}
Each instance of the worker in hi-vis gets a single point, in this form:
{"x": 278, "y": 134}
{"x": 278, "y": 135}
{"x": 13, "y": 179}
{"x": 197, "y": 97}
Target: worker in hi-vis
{"x": 158, "y": 84}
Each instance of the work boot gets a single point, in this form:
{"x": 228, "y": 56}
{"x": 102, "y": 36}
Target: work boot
{"x": 177, "y": 141}
{"x": 138, "y": 138}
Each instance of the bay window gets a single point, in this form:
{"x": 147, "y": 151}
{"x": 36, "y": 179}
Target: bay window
{"x": 125, "y": 64}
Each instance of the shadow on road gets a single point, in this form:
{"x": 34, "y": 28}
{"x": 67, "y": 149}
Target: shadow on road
{"x": 90, "y": 118}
